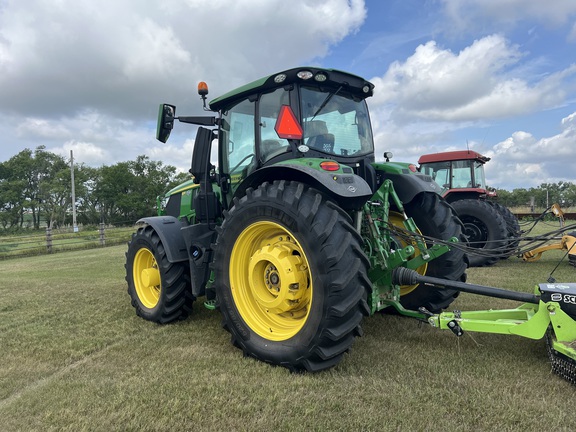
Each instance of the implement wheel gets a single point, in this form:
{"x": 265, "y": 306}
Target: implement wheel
{"x": 291, "y": 277}
{"x": 436, "y": 219}
{"x": 160, "y": 290}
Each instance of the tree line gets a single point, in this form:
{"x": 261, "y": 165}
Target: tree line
{"x": 35, "y": 189}
{"x": 541, "y": 197}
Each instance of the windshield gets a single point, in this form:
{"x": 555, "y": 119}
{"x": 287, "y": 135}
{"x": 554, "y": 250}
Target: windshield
{"x": 336, "y": 125}
{"x": 479, "y": 175}
{"x": 461, "y": 174}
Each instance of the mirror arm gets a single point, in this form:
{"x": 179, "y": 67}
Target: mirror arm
{"x": 198, "y": 120}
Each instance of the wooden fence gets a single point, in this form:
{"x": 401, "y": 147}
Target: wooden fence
{"x": 56, "y": 240}
{"x": 529, "y": 215}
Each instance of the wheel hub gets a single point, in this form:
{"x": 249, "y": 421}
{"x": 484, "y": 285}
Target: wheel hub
{"x": 150, "y": 277}
{"x": 270, "y": 280}
{"x": 278, "y": 278}
{"x": 476, "y": 233}
{"x": 146, "y": 278}
{"x": 397, "y": 242}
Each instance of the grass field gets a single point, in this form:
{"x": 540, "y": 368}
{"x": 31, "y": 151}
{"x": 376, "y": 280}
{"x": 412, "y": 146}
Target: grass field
{"x": 74, "y": 357}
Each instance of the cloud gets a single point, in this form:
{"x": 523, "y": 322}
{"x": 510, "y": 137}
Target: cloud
{"x": 572, "y": 35}
{"x": 89, "y": 76}
{"x": 473, "y": 14}
{"x": 524, "y": 161}
{"x": 57, "y": 58}
{"x": 87, "y": 153}
{"x": 421, "y": 103}
{"x": 179, "y": 156}
{"x": 477, "y": 83}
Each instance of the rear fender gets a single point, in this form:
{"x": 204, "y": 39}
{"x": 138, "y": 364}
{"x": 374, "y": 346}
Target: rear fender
{"x": 406, "y": 183}
{"x": 343, "y": 186}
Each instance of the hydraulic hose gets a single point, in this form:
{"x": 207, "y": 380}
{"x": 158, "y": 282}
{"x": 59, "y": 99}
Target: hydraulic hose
{"x": 406, "y": 276}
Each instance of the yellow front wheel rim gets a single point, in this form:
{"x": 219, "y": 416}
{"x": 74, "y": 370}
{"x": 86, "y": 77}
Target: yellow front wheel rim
{"x": 396, "y": 219}
{"x": 146, "y": 278}
{"x": 271, "y": 281}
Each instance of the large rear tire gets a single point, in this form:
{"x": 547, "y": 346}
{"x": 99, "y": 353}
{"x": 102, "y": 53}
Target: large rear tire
{"x": 485, "y": 230}
{"x": 160, "y": 290}
{"x": 290, "y": 277}
{"x": 512, "y": 228}
{"x": 435, "y": 218}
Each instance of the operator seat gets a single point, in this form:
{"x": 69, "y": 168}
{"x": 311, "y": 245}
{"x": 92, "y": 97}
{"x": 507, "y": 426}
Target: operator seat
{"x": 318, "y": 137}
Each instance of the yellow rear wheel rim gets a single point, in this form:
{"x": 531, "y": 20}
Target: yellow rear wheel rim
{"x": 271, "y": 281}
{"x": 146, "y": 278}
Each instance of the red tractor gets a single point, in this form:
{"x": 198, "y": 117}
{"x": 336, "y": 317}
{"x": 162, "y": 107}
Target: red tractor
{"x": 491, "y": 228}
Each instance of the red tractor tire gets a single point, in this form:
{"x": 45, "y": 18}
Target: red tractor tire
{"x": 485, "y": 229}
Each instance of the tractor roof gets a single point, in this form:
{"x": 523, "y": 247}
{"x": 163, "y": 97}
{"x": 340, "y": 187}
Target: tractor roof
{"x": 453, "y": 156}
{"x": 330, "y": 78}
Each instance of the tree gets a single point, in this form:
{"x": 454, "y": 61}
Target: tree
{"x": 151, "y": 180}
{"x": 88, "y": 205}
{"x": 127, "y": 191}
{"x": 54, "y": 189}
{"x": 24, "y": 176}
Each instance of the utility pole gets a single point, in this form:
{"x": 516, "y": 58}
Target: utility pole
{"x": 73, "y": 193}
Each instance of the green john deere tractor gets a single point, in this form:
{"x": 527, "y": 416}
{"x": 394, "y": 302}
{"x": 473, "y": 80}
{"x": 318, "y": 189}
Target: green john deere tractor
{"x": 296, "y": 233}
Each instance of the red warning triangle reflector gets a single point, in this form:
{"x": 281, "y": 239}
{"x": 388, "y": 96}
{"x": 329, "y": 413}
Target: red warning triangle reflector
{"x": 287, "y": 126}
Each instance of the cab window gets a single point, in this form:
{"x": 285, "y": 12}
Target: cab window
{"x": 335, "y": 123}
{"x": 237, "y": 139}
{"x": 439, "y": 171}
{"x": 461, "y": 174}
{"x": 269, "y": 108}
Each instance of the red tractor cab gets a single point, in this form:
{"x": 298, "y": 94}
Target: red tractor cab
{"x": 491, "y": 228}
{"x": 460, "y": 173}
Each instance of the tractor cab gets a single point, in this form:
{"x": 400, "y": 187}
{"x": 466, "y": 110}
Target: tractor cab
{"x": 305, "y": 124}
{"x": 459, "y": 173}
{"x": 290, "y": 117}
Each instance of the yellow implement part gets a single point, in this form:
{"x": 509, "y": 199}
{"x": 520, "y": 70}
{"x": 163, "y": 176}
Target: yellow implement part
{"x": 557, "y": 210}
{"x": 566, "y": 243}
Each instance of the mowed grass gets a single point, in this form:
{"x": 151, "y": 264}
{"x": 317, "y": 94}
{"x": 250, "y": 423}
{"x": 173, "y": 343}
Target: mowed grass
{"x": 74, "y": 356}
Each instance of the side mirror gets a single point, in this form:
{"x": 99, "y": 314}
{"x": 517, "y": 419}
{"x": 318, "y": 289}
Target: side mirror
{"x": 201, "y": 154}
{"x": 166, "y": 114}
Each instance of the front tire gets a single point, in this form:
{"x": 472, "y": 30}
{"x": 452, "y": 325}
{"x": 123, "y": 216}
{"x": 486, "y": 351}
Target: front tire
{"x": 291, "y": 277}
{"x": 160, "y": 290}
{"x": 435, "y": 219}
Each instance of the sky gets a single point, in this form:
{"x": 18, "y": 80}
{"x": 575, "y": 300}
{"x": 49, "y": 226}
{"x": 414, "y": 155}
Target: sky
{"x": 495, "y": 76}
